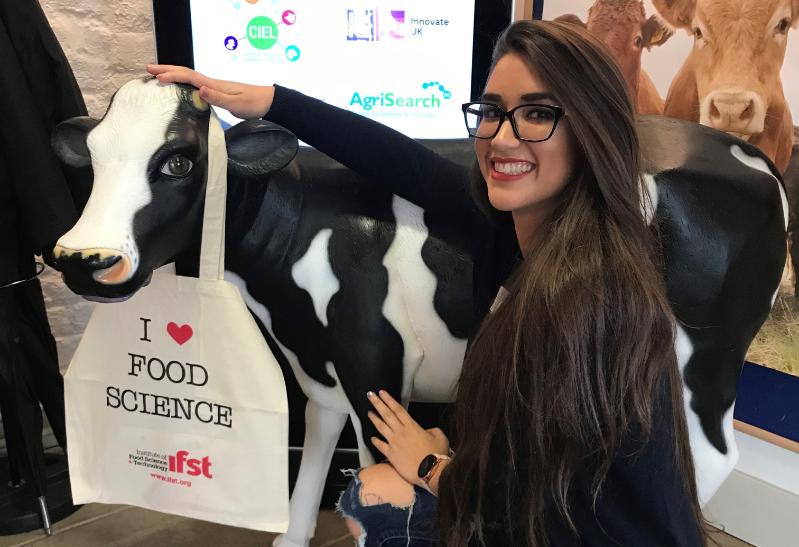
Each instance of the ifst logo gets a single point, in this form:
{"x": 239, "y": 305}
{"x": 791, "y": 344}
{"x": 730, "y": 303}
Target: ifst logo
{"x": 393, "y": 100}
{"x": 193, "y": 466}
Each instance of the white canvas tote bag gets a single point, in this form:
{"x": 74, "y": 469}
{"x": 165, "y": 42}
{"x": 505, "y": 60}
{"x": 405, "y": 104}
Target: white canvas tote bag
{"x": 174, "y": 401}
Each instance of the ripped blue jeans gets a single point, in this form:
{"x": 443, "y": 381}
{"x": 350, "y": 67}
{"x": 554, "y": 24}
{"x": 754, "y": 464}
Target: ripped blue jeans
{"x": 387, "y": 525}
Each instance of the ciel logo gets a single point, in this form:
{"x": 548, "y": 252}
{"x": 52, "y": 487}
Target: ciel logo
{"x": 194, "y": 466}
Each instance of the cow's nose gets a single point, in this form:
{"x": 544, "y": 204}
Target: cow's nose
{"x": 734, "y": 111}
{"x": 106, "y": 266}
{"x": 737, "y": 111}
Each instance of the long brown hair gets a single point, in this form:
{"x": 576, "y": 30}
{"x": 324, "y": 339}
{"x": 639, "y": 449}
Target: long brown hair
{"x": 573, "y": 360}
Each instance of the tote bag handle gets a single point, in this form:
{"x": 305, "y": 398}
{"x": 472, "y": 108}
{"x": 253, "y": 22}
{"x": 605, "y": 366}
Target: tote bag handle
{"x": 212, "y": 248}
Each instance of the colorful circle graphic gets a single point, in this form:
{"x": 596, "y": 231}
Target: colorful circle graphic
{"x": 292, "y": 53}
{"x": 262, "y": 32}
{"x": 231, "y": 43}
{"x": 289, "y": 17}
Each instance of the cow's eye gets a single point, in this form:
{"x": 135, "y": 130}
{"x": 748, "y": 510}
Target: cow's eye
{"x": 177, "y": 166}
{"x": 783, "y": 26}
{"x": 639, "y": 41}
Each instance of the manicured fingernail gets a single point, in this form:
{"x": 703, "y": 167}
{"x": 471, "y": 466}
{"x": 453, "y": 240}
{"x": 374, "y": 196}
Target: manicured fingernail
{"x": 370, "y": 393}
{"x": 382, "y": 392}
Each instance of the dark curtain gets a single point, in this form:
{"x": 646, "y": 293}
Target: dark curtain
{"x": 39, "y": 200}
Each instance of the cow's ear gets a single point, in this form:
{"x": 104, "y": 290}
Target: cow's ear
{"x": 570, "y": 18}
{"x": 677, "y": 13}
{"x": 69, "y": 140}
{"x": 654, "y": 32}
{"x": 258, "y": 147}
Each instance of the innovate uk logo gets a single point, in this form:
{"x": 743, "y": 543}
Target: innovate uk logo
{"x": 373, "y": 25}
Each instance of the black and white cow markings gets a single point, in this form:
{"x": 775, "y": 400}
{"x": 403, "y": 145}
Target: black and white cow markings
{"x": 313, "y": 273}
{"x": 357, "y": 289}
{"x": 759, "y": 163}
{"x": 385, "y": 319}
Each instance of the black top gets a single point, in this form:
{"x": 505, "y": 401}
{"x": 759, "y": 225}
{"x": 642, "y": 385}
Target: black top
{"x": 642, "y": 502}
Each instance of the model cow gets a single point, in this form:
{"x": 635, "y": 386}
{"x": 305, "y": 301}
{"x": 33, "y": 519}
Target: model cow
{"x": 623, "y": 27}
{"x": 359, "y": 289}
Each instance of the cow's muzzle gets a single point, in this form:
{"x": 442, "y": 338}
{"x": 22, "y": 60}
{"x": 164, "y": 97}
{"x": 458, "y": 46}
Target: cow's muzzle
{"x": 734, "y": 110}
{"x": 105, "y": 266}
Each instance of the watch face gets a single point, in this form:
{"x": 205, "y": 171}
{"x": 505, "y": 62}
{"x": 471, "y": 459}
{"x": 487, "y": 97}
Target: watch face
{"x": 427, "y": 464}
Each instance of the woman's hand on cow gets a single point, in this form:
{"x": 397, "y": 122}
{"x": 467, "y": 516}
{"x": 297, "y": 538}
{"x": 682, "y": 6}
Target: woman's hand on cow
{"x": 244, "y": 101}
{"x": 406, "y": 442}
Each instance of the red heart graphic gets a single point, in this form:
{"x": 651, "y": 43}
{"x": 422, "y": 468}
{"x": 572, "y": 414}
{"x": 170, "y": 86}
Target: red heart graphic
{"x": 179, "y": 334}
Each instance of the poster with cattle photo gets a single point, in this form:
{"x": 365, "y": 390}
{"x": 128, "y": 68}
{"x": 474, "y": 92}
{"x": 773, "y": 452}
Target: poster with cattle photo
{"x": 728, "y": 64}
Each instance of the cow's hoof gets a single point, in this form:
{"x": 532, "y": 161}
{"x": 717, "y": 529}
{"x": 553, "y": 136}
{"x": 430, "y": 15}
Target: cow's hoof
{"x": 283, "y": 541}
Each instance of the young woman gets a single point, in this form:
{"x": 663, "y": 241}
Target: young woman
{"x": 569, "y": 426}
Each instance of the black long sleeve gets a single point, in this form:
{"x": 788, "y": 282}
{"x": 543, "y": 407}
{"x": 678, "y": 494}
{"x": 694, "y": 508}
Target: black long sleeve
{"x": 410, "y": 169}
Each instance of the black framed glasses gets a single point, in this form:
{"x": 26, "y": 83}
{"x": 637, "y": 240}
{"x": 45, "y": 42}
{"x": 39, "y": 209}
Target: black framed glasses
{"x": 530, "y": 122}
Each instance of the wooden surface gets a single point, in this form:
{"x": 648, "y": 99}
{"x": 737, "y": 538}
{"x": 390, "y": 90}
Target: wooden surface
{"x": 767, "y": 436}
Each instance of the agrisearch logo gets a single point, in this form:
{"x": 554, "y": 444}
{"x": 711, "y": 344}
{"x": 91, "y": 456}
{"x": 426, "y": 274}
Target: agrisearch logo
{"x": 392, "y": 100}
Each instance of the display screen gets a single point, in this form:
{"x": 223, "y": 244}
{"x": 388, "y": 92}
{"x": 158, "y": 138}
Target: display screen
{"x": 406, "y": 63}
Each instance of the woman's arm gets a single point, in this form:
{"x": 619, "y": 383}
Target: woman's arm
{"x": 372, "y": 149}
{"x": 408, "y": 168}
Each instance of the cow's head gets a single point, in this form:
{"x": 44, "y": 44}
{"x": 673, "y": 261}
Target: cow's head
{"x": 149, "y": 154}
{"x": 623, "y": 27}
{"x": 739, "y": 47}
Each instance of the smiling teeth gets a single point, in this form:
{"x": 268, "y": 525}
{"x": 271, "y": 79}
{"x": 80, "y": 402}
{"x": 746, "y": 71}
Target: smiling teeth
{"x": 517, "y": 168}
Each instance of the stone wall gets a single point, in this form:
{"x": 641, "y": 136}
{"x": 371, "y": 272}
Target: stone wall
{"x": 107, "y": 44}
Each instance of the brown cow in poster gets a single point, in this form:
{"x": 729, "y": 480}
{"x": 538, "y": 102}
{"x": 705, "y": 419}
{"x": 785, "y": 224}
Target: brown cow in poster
{"x": 623, "y": 27}
{"x": 791, "y": 177}
{"x": 731, "y": 79}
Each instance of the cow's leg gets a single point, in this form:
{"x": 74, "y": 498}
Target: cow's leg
{"x": 365, "y": 448}
{"x": 322, "y": 429}
{"x": 373, "y": 367}
{"x": 711, "y": 466}
{"x": 365, "y": 456}
{"x": 367, "y": 350}
{"x": 708, "y": 414}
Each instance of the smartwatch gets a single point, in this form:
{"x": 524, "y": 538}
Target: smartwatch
{"x": 428, "y": 466}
